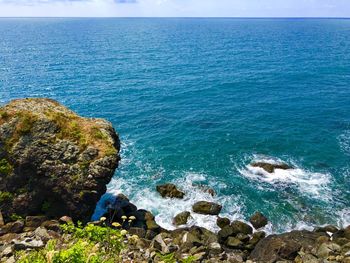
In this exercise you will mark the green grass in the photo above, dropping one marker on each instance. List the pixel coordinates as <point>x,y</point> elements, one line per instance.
<point>93,244</point>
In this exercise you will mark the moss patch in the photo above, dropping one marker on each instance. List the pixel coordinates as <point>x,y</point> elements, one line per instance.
<point>5,167</point>
<point>71,127</point>
<point>82,131</point>
<point>25,121</point>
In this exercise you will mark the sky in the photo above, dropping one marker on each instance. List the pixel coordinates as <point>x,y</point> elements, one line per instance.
<point>175,8</point>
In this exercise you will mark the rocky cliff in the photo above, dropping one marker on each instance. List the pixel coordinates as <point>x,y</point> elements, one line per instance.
<point>53,161</point>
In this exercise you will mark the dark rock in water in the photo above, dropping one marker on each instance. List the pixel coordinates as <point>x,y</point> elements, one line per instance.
<point>205,189</point>
<point>329,228</point>
<point>170,190</point>
<point>222,222</point>
<point>181,219</point>
<point>271,167</point>
<point>258,220</point>
<point>53,162</point>
<point>206,208</point>
<point>285,246</point>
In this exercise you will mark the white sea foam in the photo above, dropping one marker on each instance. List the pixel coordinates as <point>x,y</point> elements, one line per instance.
<point>311,183</point>
<point>140,187</point>
<point>344,217</point>
<point>166,209</point>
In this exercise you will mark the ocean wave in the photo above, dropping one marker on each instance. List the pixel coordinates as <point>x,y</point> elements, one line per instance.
<point>307,182</point>
<point>166,209</point>
<point>138,179</point>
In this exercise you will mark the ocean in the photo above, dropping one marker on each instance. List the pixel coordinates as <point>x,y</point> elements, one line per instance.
<point>195,101</point>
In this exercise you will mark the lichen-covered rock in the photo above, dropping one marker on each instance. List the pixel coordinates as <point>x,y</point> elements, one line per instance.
<point>181,218</point>
<point>170,190</point>
<point>222,222</point>
<point>285,246</point>
<point>53,161</point>
<point>258,220</point>
<point>206,208</point>
<point>241,227</point>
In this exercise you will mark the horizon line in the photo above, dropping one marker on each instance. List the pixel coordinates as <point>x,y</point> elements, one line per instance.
<point>205,17</point>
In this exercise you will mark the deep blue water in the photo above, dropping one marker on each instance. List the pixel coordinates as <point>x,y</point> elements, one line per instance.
<point>196,100</point>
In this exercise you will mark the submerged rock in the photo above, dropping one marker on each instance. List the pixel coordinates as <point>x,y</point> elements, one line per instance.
<point>205,188</point>
<point>53,161</point>
<point>170,190</point>
<point>206,208</point>
<point>271,167</point>
<point>258,220</point>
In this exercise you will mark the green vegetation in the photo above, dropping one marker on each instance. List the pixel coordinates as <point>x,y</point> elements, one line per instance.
<point>82,131</point>
<point>5,167</point>
<point>15,217</point>
<point>89,244</point>
<point>98,134</point>
<point>3,115</point>
<point>5,197</point>
<point>26,122</point>
<point>170,258</point>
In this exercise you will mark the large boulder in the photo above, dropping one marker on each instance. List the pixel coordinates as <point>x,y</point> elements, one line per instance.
<point>258,220</point>
<point>284,246</point>
<point>181,218</point>
<point>271,167</point>
<point>53,161</point>
<point>170,190</point>
<point>206,208</point>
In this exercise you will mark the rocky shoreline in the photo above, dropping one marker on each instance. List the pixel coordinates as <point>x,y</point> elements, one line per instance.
<point>54,167</point>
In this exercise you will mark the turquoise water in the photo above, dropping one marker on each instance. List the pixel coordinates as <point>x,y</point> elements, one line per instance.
<point>196,100</point>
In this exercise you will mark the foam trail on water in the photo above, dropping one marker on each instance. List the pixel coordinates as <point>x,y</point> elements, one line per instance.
<point>307,182</point>
<point>344,217</point>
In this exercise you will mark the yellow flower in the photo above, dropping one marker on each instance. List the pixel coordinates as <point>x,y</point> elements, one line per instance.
<point>123,232</point>
<point>116,224</point>
<point>124,217</point>
<point>103,219</point>
<point>135,237</point>
<point>132,218</point>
